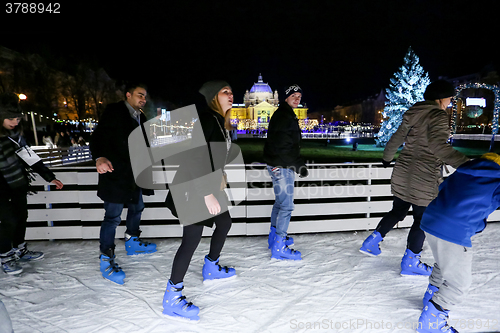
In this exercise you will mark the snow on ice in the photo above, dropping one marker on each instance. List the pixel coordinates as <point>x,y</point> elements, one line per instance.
<point>335,288</point>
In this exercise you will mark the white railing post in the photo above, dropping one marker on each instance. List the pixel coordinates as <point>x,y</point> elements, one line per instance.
<point>48,205</point>
<point>369,183</point>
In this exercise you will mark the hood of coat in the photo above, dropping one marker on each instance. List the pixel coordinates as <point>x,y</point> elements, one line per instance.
<point>481,167</point>
<point>419,111</point>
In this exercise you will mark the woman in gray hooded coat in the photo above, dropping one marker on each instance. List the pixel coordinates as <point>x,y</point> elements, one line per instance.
<point>418,171</point>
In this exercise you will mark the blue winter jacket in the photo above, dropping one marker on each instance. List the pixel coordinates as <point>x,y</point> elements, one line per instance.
<point>465,200</point>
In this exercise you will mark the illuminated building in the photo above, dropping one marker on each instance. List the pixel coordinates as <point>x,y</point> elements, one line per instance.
<point>259,104</point>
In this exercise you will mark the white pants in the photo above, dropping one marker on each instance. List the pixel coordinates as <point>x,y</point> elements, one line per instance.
<point>451,273</point>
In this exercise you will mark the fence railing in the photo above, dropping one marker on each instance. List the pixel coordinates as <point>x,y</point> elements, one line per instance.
<point>63,155</point>
<point>335,197</point>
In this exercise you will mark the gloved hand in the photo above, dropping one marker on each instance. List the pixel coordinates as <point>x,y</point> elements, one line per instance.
<point>303,172</point>
<point>386,164</point>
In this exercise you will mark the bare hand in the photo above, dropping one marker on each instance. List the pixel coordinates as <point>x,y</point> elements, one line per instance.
<point>212,204</point>
<point>59,185</point>
<point>103,165</point>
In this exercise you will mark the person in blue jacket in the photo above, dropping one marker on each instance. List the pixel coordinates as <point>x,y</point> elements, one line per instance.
<point>465,200</point>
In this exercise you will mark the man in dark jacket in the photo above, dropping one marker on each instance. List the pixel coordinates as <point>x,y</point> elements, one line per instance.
<point>282,155</point>
<point>117,187</point>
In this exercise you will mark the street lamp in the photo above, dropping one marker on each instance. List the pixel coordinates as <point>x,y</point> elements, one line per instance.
<point>23,97</point>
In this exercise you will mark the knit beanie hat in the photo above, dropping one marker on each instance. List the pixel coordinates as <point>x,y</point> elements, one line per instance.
<point>492,157</point>
<point>438,90</point>
<point>9,106</point>
<point>294,88</point>
<point>210,89</point>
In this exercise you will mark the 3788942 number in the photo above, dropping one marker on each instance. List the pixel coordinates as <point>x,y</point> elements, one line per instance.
<point>32,8</point>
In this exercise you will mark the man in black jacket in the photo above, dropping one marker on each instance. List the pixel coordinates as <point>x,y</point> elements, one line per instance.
<point>117,187</point>
<point>282,155</point>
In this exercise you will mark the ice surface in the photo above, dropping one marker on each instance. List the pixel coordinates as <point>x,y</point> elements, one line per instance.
<point>335,288</point>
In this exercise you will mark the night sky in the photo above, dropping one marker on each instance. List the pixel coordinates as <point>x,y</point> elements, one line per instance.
<point>337,51</point>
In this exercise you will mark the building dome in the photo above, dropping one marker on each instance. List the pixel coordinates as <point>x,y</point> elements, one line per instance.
<point>261,87</point>
<point>260,92</point>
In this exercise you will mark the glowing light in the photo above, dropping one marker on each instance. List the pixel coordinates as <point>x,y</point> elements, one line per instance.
<point>475,101</point>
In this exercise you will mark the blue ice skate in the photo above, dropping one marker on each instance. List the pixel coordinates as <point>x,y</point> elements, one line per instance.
<point>270,239</point>
<point>433,320</point>
<point>110,269</point>
<point>175,305</point>
<point>135,245</point>
<point>24,254</point>
<point>212,270</point>
<point>281,251</point>
<point>371,244</point>
<point>429,293</point>
<point>8,261</point>
<point>411,265</point>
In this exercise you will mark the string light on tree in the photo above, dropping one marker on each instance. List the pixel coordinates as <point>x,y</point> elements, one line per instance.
<point>406,88</point>
<point>308,124</point>
<point>496,110</point>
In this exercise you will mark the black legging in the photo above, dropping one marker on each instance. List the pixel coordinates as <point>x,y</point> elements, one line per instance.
<point>399,210</point>
<point>13,216</point>
<point>191,237</point>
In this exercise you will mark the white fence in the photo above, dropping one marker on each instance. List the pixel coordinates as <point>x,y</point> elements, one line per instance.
<point>61,156</point>
<point>479,137</point>
<point>334,197</point>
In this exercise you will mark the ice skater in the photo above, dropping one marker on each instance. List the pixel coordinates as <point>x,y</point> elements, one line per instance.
<point>417,172</point>
<point>17,163</point>
<point>116,186</point>
<point>465,201</point>
<point>282,155</point>
<point>206,198</point>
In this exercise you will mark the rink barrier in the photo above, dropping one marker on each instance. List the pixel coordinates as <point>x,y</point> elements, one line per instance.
<point>59,156</point>
<point>335,197</point>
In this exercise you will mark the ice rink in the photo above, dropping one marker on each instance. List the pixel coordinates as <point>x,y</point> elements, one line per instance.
<point>335,288</point>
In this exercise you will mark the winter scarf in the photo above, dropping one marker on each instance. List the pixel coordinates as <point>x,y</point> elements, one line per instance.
<point>11,168</point>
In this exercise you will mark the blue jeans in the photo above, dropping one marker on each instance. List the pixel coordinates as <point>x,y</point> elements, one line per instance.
<point>112,218</point>
<point>283,185</point>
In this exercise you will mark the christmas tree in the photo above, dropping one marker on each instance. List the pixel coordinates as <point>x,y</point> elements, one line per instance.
<point>407,87</point>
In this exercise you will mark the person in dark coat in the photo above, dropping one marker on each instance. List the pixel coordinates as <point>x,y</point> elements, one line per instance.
<point>282,155</point>
<point>206,203</point>
<point>459,212</point>
<point>418,171</point>
<point>17,163</point>
<point>117,187</point>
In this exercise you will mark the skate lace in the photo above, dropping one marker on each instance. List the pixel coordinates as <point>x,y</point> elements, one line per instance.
<point>29,253</point>
<point>21,252</point>
<point>182,298</point>
<point>225,268</point>
<point>9,261</point>
<point>423,265</point>
<point>446,327</point>
<point>114,266</point>
<point>142,241</point>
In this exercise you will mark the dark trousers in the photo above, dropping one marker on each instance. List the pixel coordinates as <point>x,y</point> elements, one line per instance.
<point>13,216</point>
<point>399,211</point>
<point>191,237</point>
<point>113,218</point>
